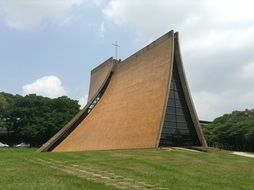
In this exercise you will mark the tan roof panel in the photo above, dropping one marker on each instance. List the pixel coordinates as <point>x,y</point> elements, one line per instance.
<point>129,113</point>
<point>127,102</point>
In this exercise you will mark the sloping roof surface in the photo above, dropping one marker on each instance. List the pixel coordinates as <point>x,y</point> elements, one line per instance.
<point>130,113</point>
<point>127,102</point>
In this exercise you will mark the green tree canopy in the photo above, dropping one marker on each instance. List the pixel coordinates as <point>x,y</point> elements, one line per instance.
<point>233,131</point>
<point>36,118</point>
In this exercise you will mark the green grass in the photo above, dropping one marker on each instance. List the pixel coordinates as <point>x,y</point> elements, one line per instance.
<point>176,169</point>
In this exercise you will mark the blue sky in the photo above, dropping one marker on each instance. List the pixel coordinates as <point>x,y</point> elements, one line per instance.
<point>49,47</point>
<point>68,51</point>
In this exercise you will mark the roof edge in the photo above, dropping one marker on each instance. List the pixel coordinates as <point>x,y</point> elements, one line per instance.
<point>172,52</point>
<point>50,144</point>
<point>186,90</point>
<point>101,65</point>
<point>151,45</point>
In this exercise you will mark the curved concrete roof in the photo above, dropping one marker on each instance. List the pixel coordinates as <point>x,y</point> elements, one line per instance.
<point>127,102</point>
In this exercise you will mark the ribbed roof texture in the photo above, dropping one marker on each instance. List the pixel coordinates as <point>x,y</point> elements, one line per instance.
<point>130,113</point>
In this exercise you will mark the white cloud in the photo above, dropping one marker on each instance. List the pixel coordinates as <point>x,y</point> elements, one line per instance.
<point>217,39</point>
<point>83,100</point>
<point>248,71</point>
<point>49,86</point>
<point>211,104</point>
<point>98,2</point>
<point>34,14</point>
<point>160,16</point>
<point>147,15</point>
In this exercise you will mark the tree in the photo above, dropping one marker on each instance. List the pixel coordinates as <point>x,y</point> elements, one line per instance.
<point>233,131</point>
<point>35,118</point>
<point>3,108</point>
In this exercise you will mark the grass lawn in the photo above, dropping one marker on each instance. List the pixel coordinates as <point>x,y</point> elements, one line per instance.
<point>27,169</point>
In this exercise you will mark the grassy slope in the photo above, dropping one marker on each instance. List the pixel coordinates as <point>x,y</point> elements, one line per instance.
<point>175,169</point>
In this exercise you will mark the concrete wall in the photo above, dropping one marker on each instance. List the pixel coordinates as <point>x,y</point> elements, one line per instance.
<point>98,76</point>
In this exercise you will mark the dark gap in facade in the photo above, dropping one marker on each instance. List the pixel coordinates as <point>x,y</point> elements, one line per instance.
<point>178,128</point>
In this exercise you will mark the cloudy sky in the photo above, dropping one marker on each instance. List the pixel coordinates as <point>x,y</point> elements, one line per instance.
<point>48,47</point>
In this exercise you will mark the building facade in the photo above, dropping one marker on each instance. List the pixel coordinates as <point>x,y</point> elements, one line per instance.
<point>141,102</point>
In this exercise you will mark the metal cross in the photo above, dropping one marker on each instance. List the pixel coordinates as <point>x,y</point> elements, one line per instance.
<point>116,46</point>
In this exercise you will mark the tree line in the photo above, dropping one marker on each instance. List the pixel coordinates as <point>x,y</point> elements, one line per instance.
<point>233,131</point>
<point>33,119</point>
